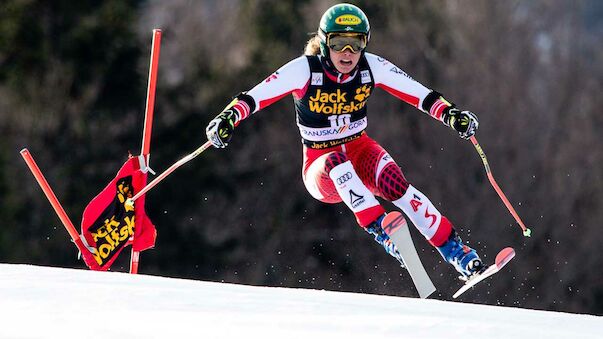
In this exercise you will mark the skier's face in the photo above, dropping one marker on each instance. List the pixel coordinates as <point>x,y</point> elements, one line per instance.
<point>345,61</point>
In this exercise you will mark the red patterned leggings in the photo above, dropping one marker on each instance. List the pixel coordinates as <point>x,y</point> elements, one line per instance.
<point>375,167</point>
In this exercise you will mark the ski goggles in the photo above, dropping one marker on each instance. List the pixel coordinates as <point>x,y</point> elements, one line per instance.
<point>339,42</point>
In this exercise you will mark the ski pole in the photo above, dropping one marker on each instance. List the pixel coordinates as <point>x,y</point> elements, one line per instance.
<point>526,231</point>
<point>168,171</point>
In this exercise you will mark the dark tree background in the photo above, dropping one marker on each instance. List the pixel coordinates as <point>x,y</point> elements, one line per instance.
<point>72,89</point>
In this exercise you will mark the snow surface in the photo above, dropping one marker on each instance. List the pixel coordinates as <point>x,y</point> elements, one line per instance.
<point>44,302</point>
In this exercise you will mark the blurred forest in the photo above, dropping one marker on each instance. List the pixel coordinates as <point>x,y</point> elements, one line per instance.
<point>73,78</point>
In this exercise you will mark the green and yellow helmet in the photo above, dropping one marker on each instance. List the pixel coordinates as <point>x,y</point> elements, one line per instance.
<point>342,18</point>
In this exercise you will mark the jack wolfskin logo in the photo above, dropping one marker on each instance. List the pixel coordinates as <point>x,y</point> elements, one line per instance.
<point>339,101</point>
<point>362,93</point>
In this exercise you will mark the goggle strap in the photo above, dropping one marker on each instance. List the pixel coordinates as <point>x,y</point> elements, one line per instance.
<point>324,37</point>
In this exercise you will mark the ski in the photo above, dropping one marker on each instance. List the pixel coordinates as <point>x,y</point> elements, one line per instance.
<point>502,258</point>
<point>396,228</point>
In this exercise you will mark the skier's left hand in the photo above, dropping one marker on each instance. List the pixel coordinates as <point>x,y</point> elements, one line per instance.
<point>464,122</point>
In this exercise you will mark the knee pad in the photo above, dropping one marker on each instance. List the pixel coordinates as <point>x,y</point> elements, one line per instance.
<point>392,184</point>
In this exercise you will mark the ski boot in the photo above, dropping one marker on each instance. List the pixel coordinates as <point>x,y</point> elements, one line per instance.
<point>382,238</point>
<point>462,257</point>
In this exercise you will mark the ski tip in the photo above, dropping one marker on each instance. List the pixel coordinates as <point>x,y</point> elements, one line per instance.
<point>392,215</point>
<point>504,256</point>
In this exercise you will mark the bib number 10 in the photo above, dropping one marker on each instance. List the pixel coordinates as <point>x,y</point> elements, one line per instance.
<point>340,120</point>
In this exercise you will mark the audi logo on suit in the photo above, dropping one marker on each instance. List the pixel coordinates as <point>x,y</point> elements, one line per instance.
<point>342,179</point>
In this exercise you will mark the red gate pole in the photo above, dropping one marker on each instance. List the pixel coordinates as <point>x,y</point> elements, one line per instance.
<point>148,122</point>
<point>58,208</point>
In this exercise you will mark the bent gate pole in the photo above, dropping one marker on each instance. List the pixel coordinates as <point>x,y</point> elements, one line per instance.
<point>58,208</point>
<point>148,122</point>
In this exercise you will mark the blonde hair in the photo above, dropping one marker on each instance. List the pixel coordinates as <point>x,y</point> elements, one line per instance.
<point>312,46</point>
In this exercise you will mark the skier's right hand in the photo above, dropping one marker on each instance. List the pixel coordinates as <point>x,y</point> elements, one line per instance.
<point>219,131</point>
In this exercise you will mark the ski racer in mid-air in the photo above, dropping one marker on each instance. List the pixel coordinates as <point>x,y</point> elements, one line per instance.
<point>330,85</point>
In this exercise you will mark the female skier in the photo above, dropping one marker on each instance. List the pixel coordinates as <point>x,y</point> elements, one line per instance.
<point>330,85</point>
